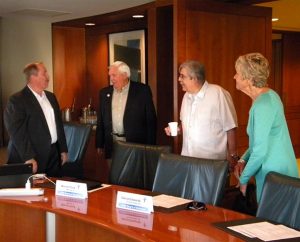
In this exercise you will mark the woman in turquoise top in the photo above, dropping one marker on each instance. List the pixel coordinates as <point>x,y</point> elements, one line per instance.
<point>270,146</point>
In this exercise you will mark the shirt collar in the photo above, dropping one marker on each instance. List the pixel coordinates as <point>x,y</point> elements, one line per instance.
<point>123,89</point>
<point>36,94</point>
<point>201,93</point>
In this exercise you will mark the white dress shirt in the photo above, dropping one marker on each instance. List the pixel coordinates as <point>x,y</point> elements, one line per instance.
<point>119,100</point>
<point>49,114</point>
<point>205,118</point>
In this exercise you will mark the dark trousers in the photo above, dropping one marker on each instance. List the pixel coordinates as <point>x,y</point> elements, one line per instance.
<point>53,167</point>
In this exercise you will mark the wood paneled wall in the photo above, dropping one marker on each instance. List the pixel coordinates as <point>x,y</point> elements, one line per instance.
<point>164,78</point>
<point>96,65</point>
<point>291,85</point>
<point>216,34</point>
<point>69,66</point>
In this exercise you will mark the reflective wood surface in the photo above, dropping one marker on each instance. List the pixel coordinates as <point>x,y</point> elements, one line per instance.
<point>98,219</point>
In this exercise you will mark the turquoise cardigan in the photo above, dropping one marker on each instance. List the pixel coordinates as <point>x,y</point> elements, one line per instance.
<point>270,146</point>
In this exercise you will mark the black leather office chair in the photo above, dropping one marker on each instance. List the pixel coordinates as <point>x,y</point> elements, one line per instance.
<point>77,136</point>
<point>134,165</point>
<point>192,178</point>
<point>280,200</point>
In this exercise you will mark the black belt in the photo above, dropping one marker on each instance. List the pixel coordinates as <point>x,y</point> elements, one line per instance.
<point>118,135</point>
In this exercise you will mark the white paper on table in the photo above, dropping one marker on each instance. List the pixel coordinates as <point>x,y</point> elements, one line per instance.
<point>167,201</point>
<point>266,231</point>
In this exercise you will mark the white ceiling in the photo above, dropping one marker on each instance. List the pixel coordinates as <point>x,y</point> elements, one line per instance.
<point>59,10</point>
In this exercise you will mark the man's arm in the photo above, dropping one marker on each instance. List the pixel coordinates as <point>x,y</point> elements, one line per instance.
<point>232,156</point>
<point>16,125</point>
<point>99,141</point>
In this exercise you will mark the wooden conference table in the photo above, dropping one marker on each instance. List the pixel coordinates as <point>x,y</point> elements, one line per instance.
<point>57,219</point>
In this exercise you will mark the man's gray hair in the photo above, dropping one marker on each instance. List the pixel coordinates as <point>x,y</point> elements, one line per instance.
<point>195,70</point>
<point>31,69</point>
<point>122,67</point>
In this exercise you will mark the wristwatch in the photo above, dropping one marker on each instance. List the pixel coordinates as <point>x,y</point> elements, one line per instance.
<point>235,157</point>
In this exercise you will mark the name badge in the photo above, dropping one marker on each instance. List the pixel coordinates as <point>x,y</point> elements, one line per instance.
<point>71,189</point>
<point>134,202</point>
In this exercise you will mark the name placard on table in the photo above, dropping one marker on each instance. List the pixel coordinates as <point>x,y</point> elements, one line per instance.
<point>72,204</point>
<point>135,219</point>
<point>134,202</point>
<point>71,189</point>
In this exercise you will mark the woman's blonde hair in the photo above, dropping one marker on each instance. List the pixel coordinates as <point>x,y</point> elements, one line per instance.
<point>254,67</point>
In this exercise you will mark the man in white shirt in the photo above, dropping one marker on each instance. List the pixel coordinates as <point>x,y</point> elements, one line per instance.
<point>33,120</point>
<point>208,117</point>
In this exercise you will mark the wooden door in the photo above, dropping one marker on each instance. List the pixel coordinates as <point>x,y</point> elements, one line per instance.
<point>291,85</point>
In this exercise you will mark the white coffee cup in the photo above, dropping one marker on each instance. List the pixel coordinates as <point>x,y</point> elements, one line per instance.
<point>173,128</point>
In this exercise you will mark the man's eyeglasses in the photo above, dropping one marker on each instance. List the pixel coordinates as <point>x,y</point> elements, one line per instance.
<point>181,76</point>
<point>196,206</point>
